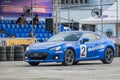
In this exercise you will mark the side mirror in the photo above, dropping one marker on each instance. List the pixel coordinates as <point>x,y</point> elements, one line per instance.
<point>84,40</point>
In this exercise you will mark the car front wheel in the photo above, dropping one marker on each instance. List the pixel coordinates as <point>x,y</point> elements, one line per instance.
<point>108,56</point>
<point>69,57</point>
<point>34,63</point>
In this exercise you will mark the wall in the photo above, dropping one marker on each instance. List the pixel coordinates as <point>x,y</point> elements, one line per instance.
<point>106,28</point>
<point>82,11</point>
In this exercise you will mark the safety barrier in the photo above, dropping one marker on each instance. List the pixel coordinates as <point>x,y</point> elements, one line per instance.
<point>11,53</point>
<point>19,53</point>
<point>2,53</point>
<point>12,49</point>
<point>16,41</point>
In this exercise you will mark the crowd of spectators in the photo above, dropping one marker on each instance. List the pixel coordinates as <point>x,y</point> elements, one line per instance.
<point>24,28</point>
<point>35,21</point>
<point>22,20</point>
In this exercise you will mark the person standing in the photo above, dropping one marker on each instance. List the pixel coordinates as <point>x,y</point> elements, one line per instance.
<point>35,20</point>
<point>21,20</point>
<point>31,34</point>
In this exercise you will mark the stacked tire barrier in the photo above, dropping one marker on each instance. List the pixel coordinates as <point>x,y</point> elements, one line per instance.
<point>117,48</point>
<point>19,53</point>
<point>25,46</point>
<point>2,53</point>
<point>11,53</point>
<point>118,51</point>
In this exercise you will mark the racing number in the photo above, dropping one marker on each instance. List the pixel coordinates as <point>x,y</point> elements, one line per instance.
<point>83,51</point>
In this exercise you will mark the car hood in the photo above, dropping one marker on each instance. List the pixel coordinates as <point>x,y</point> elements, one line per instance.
<point>46,45</point>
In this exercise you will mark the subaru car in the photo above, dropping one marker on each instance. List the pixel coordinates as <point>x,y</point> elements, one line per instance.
<point>71,47</point>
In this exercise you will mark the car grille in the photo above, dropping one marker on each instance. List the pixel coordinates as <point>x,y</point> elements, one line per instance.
<point>37,56</point>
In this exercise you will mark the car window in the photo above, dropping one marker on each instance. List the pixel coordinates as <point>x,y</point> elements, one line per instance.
<point>72,37</point>
<point>65,36</point>
<point>97,37</point>
<point>90,36</point>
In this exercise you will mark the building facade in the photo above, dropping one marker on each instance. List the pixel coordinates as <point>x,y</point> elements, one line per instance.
<point>72,11</point>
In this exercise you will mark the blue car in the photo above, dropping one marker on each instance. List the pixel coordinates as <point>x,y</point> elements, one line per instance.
<point>71,47</point>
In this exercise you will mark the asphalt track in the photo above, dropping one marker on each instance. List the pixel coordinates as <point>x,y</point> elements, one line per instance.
<point>85,70</point>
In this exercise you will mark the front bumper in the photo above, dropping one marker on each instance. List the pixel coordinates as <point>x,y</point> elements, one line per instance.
<point>44,56</point>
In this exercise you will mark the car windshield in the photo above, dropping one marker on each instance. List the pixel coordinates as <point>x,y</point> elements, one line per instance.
<point>65,36</point>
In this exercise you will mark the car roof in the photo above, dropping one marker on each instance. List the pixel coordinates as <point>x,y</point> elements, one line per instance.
<point>83,32</point>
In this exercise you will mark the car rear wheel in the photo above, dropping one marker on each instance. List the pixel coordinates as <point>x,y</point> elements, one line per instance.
<point>108,56</point>
<point>69,57</point>
<point>34,63</point>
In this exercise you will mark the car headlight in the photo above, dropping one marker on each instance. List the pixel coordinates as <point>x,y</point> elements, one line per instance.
<point>56,48</point>
<point>27,48</point>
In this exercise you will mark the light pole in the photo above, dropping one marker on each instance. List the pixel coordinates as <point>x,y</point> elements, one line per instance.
<point>69,13</point>
<point>117,15</point>
<point>101,14</point>
<point>32,11</point>
<point>117,10</point>
<point>56,15</point>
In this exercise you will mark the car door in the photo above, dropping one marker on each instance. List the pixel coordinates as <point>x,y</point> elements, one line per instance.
<point>88,48</point>
<point>99,45</point>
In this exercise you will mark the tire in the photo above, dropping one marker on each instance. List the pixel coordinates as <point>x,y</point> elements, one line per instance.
<point>25,46</point>
<point>108,56</point>
<point>9,57</point>
<point>19,59</point>
<point>10,53</point>
<point>2,53</point>
<point>2,48</point>
<point>9,48</point>
<point>34,63</point>
<point>19,48</point>
<point>69,57</point>
<point>19,53</point>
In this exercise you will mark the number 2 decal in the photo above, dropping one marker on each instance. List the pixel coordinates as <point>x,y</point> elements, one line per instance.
<point>82,51</point>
